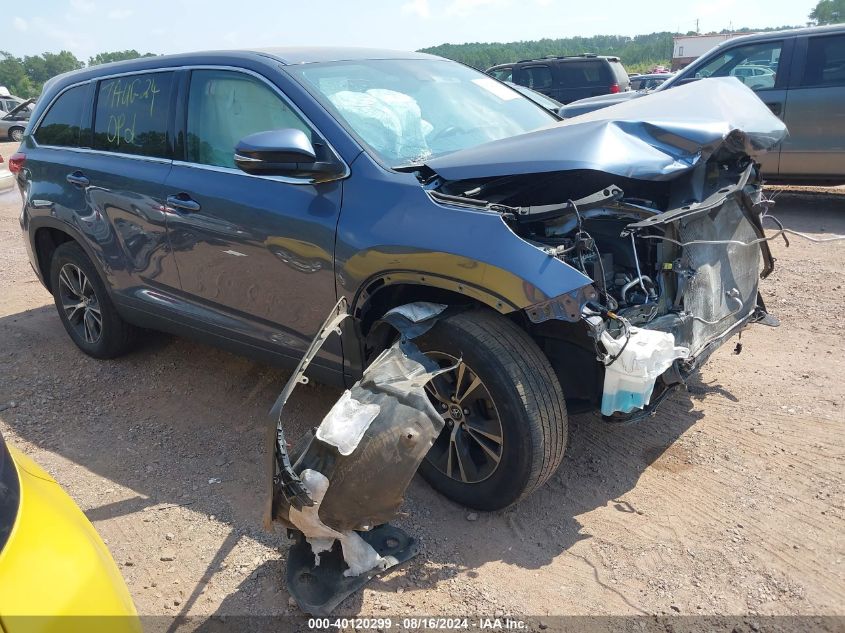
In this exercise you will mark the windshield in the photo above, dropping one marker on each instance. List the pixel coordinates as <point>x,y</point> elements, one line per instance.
<point>407,111</point>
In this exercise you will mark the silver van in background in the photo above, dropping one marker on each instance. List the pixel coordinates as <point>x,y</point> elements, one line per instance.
<point>799,74</point>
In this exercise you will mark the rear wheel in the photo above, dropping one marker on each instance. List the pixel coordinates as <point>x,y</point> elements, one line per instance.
<point>16,134</point>
<point>84,306</point>
<point>505,417</point>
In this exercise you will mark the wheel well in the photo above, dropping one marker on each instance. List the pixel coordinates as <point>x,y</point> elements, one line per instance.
<point>567,345</point>
<point>47,240</point>
<point>384,298</point>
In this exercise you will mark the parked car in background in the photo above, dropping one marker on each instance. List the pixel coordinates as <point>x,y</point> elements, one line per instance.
<point>8,101</point>
<point>649,81</point>
<point>56,574</point>
<point>566,78</point>
<point>755,77</point>
<point>799,74</point>
<point>13,123</point>
<point>552,105</point>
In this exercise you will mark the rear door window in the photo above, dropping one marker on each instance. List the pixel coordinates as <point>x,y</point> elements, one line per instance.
<point>133,114</point>
<point>825,64</point>
<point>536,77</point>
<point>583,74</point>
<point>225,106</point>
<point>503,74</point>
<point>61,125</point>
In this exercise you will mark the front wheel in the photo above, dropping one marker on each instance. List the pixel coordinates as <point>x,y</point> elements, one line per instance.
<point>505,416</point>
<point>16,134</point>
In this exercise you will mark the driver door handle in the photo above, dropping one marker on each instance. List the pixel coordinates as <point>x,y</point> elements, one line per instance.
<point>183,202</point>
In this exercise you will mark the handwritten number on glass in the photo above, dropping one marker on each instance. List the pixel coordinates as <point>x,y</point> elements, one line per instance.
<point>120,96</point>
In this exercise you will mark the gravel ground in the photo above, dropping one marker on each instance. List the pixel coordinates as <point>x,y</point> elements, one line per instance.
<point>728,501</point>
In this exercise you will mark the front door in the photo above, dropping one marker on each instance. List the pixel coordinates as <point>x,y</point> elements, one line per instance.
<point>255,253</point>
<point>763,67</point>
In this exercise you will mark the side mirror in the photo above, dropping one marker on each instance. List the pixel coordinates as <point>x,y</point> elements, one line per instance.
<point>286,152</point>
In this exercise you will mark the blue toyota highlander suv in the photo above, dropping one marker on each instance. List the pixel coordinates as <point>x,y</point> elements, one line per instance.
<point>235,196</point>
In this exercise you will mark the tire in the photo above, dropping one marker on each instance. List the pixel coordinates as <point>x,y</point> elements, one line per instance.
<point>526,396</point>
<point>84,305</point>
<point>16,134</point>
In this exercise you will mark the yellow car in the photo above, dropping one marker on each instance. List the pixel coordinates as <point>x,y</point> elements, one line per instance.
<point>56,574</point>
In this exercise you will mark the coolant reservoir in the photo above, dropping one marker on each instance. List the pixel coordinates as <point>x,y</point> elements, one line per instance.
<point>629,380</point>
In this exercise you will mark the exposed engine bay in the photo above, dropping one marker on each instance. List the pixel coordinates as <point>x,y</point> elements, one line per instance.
<point>671,242</point>
<point>673,256</point>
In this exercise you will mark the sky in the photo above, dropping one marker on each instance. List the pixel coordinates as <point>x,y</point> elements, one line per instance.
<point>87,27</point>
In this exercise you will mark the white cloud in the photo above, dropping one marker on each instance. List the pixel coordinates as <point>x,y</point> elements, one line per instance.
<point>120,14</point>
<point>83,6</point>
<point>19,24</point>
<point>420,8</point>
<point>463,8</point>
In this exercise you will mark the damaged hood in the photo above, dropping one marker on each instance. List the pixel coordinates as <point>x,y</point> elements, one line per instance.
<point>656,137</point>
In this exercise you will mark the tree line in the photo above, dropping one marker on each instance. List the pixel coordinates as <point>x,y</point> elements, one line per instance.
<point>638,54</point>
<point>25,76</point>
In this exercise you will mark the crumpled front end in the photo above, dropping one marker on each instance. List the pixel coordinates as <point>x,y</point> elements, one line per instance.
<point>659,202</point>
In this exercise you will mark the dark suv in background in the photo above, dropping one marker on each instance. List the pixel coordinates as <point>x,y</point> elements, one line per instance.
<point>566,78</point>
<point>799,74</point>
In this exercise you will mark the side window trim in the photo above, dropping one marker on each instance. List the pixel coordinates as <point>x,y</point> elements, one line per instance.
<point>179,120</point>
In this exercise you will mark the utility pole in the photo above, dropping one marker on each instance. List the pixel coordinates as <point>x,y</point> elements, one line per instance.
<point>696,27</point>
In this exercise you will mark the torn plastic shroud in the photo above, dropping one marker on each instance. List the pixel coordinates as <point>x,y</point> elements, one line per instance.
<point>656,137</point>
<point>337,490</point>
<point>393,386</point>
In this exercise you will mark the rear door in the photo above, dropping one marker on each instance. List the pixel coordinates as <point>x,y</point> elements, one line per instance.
<point>255,253</point>
<point>815,110</point>
<point>123,176</point>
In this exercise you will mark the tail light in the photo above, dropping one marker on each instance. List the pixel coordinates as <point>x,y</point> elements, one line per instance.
<point>614,88</point>
<point>16,162</point>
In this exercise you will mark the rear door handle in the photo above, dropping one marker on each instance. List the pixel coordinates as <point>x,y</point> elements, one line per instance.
<point>183,202</point>
<point>78,179</point>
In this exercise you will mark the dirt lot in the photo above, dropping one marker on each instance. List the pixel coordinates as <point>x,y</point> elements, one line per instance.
<point>729,501</point>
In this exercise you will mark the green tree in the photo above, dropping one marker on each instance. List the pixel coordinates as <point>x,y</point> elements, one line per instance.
<point>828,12</point>
<point>40,68</point>
<point>116,56</point>
<point>654,48</point>
<point>13,76</point>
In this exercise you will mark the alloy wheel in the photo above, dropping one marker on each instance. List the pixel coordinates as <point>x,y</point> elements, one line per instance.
<point>17,135</point>
<point>470,446</point>
<point>80,304</point>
